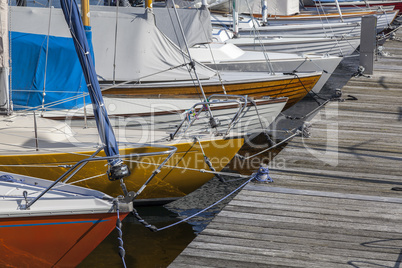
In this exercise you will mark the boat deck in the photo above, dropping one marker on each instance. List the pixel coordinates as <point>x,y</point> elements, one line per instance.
<point>337,199</point>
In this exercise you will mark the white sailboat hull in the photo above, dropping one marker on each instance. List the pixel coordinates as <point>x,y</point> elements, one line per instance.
<point>303,30</point>
<point>342,46</point>
<point>148,115</point>
<point>229,57</point>
<point>290,24</point>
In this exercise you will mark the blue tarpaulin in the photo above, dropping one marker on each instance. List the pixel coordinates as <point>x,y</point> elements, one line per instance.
<point>64,76</point>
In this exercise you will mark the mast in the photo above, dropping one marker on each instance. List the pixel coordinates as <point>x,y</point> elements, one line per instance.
<point>117,170</point>
<point>148,4</point>
<point>85,13</point>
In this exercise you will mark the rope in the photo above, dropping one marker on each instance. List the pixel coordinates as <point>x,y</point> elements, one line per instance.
<point>390,34</point>
<point>242,157</point>
<point>201,211</point>
<point>143,222</point>
<point>192,169</point>
<point>308,114</point>
<point>360,72</point>
<point>300,131</point>
<point>308,92</point>
<point>122,251</point>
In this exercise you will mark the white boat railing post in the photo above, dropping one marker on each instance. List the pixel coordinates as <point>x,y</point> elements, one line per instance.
<point>36,132</point>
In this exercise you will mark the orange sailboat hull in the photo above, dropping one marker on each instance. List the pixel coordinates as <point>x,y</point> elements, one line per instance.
<point>52,241</point>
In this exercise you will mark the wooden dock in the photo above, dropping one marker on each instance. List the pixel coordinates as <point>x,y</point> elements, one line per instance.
<point>337,199</point>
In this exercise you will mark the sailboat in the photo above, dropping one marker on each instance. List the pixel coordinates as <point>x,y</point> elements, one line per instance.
<point>335,33</point>
<point>128,72</point>
<point>60,228</point>
<point>48,154</point>
<point>204,46</point>
<point>278,15</point>
<point>227,56</point>
<point>396,4</point>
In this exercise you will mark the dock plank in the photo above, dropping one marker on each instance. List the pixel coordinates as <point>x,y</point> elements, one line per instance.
<point>332,202</point>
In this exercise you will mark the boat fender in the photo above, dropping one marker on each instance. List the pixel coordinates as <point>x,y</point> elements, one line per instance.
<point>262,175</point>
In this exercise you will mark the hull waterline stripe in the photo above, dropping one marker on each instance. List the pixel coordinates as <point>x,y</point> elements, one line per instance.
<point>51,223</point>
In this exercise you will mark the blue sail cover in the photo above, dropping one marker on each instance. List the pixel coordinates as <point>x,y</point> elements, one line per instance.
<point>64,76</point>
<point>74,22</point>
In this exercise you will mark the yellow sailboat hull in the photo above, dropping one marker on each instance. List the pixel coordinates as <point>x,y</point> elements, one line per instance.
<point>179,177</point>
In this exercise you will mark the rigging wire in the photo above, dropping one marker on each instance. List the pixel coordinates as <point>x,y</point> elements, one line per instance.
<point>258,35</point>
<point>192,62</point>
<point>46,55</point>
<point>318,6</point>
<point>184,56</point>
<point>115,42</point>
<point>204,31</point>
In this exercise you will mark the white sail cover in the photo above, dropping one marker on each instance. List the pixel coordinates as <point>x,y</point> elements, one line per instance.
<point>196,22</point>
<point>139,51</point>
<point>275,7</point>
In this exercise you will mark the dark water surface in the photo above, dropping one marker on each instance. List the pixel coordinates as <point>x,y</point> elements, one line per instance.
<point>148,249</point>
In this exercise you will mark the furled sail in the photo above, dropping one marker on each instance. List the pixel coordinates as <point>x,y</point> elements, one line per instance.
<point>74,22</point>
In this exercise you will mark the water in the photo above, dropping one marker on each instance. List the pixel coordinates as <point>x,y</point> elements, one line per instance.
<point>147,249</point>
<point>143,247</point>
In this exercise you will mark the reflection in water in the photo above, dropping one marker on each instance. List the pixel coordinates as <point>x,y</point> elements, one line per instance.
<point>143,247</point>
